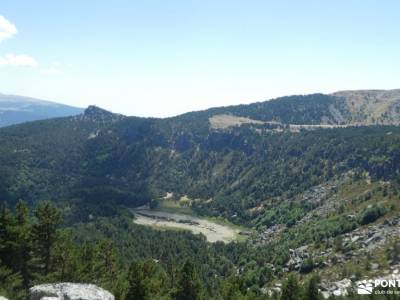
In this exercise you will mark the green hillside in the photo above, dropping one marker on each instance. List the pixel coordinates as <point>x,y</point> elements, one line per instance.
<point>309,197</point>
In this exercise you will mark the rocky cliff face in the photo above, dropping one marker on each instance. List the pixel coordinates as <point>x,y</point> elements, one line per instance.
<point>68,291</point>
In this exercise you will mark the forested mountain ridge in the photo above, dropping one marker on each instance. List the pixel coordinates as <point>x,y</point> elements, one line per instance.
<point>310,196</point>
<point>363,107</point>
<point>18,109</point>
<point>130,159</point>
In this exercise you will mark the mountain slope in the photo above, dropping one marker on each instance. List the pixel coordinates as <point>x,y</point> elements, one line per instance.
<point>128,160</point>
<point>372,106</point>
<point>317,200</point>
<point>366,107</point>
<point>17,109</point>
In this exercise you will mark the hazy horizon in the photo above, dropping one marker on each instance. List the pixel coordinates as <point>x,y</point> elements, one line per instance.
<point>159,59</point>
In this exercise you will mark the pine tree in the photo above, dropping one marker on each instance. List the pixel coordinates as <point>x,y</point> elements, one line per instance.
<point>232,288</point>
<point>136,285</point>
<point>311,292</point>
<point>146,280</point>
<point>65,256</point>
<point>105,264</point>
<point>189,287</point>
<point>291,290</point>
<point>11,284</point>
<point>23,242</point>
<point>48,218</point>
<point>7,221</point>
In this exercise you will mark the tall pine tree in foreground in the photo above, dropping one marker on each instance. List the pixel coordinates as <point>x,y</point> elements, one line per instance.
<point>45,234</point>
<point>14,252</point>
<point>23,242</point>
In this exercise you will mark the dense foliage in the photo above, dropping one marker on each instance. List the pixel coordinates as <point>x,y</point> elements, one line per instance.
<point>94,166</point>
<point>34,249</point>
<point>129,161</point>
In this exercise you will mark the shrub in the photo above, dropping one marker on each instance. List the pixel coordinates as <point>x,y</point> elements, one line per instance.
<point>371,214</point>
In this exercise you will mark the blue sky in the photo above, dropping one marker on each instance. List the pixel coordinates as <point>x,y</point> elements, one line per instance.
<point>162,58</point>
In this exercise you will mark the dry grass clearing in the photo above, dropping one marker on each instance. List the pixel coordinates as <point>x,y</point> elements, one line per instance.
<point>226,121</point>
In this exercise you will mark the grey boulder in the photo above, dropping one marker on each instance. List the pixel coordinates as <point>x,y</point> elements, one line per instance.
<point>68,291</point>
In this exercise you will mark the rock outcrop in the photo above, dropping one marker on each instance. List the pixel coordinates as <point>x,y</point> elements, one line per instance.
<point>3,298</point>
<point>99,115</point>
<point>68,291</point>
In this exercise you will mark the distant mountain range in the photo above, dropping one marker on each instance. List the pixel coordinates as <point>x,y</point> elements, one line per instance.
<point>18,109</point>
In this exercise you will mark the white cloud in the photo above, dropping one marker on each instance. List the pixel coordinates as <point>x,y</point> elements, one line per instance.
<point>18,60</point>
<point>7,29</point>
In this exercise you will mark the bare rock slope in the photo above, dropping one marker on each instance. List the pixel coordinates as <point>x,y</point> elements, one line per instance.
<point>372,106</point>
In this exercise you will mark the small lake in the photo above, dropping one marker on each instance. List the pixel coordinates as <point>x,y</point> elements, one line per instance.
<point>213,231</point>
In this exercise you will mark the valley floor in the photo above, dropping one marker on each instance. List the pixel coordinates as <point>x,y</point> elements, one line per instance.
<point>165,220</point>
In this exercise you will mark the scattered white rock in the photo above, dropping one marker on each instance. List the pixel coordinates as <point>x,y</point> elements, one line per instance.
<point>374,266</point>
<point>94,135</point>
<point>68,291</point>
